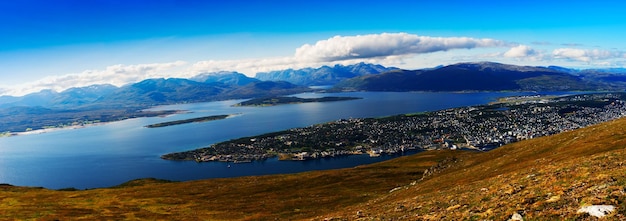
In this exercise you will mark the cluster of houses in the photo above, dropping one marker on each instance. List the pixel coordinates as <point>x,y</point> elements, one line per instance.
<point>479,127</point>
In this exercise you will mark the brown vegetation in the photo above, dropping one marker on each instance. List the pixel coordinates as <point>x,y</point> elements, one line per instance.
<point>547,178</point>
<point>289,196</point>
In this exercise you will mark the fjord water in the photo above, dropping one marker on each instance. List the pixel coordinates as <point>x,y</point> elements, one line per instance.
<point>113,153</point>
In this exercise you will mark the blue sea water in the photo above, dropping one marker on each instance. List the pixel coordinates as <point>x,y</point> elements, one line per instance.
<point>113,153</point>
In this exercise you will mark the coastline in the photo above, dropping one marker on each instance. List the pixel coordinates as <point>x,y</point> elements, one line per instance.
<point>347,136</point>
<point>53,129</point>
<point>82,125</point>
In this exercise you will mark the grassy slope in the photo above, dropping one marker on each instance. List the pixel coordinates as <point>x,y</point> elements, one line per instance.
<point>545,178</point>
<point>292,196</point>
<point>548,178</point>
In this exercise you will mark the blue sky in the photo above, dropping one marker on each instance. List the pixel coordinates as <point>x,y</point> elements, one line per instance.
<point>59,44</point>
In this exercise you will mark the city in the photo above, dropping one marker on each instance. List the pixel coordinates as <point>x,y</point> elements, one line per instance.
<point>475,128</point>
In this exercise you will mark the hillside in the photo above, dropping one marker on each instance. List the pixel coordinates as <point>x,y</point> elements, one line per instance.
<point>548,178</point>
<point>482,76</point>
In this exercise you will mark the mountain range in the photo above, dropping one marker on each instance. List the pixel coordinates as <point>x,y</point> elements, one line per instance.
<point>486,76</point>
<point>204,87</point>
<point>103,103</point>
<point>480,76</point>
<point>108,102</point>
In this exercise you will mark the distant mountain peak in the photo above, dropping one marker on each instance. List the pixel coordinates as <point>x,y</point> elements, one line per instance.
<point>46,91</point>
<point>324,75</point>
<point>225,77</point>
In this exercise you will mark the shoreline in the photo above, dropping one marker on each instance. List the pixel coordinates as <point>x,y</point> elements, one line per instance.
<point>81,125</point>
<point>53,129</point>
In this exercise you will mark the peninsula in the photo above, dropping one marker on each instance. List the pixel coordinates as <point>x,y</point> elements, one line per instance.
<point>491,126</point>
<point>272,101</point>
<point>191,120</point>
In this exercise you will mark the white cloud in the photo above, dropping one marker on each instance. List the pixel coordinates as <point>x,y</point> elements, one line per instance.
<point>387,44</point>
<point>584,55</point>
<point>520,51</point>
<point>116,74</point>
<point>385,49</point>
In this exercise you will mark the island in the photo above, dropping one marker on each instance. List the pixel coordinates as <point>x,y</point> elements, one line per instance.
<point>479,128</point>
<point>272,101</point>
<point>191,120</point>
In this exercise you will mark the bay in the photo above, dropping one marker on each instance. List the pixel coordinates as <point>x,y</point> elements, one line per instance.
<point>113,153</point>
